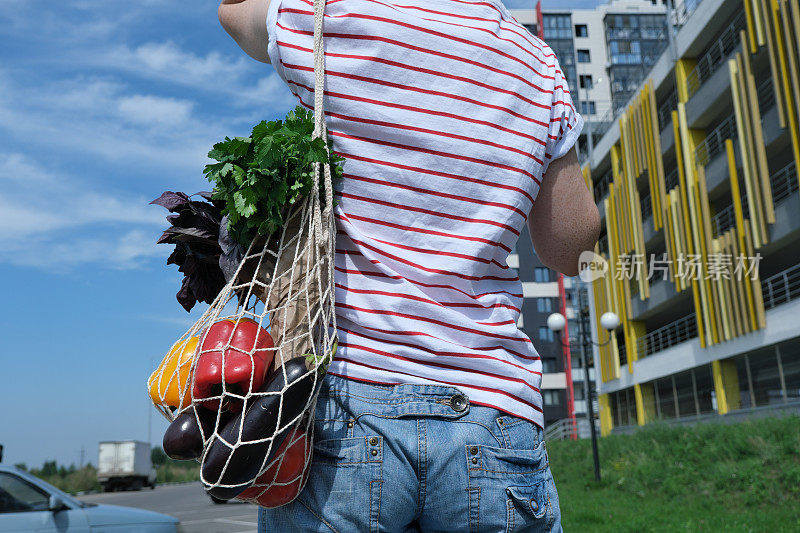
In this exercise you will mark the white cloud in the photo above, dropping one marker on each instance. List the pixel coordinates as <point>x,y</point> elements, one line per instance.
<point>150,110</point>
<point>168,61</point>
<point>53,221</point>
<point>214,73</point>
<point>101,118</point>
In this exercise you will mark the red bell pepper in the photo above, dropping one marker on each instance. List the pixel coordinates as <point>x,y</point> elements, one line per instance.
<point>284,478</point>
<point>247,351</point>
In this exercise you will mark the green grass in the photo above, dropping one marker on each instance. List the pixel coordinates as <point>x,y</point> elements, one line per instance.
<point>706,477</point>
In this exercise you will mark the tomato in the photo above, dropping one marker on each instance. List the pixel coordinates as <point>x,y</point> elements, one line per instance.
<point>283,479</point>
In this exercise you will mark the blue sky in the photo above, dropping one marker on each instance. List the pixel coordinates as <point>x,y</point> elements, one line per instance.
<point>104,104</point>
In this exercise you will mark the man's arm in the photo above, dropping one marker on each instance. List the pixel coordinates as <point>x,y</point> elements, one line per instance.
<point>565,221</point>
<point>246,22</point>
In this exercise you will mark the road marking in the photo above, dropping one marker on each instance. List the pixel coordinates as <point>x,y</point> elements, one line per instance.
<point>236,522</point>
<point>223,520</point>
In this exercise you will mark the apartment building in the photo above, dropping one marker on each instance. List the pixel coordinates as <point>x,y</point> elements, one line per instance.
<point>603,52</point>
<point>542,295</point>
<point>696,180</point>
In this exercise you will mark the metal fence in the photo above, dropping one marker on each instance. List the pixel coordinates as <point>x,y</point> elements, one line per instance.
<point>715,56</point>
<point>714,143</point>
<point>666,108</point>
<point>602,244</point>
<point>671,179</point>
<point>766,96</point>
<point>602,124</point>
<point>784,184</point>
<point>781,288</point>
<point>601,187</point>
<point>662,338</point>
<point>647,207</point>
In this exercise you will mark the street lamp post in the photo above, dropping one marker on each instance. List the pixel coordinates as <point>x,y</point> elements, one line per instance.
<point>609,321</point>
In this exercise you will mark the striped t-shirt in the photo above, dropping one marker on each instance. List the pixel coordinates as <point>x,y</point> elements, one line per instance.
<point>447,113</point>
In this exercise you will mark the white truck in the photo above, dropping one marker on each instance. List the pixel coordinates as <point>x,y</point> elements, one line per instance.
<point>125,465</point>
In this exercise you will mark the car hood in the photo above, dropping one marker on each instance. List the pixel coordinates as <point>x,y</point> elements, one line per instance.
<point>107,515</point>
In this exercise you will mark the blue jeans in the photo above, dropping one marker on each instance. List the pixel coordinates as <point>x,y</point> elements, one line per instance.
<point>419,458</point>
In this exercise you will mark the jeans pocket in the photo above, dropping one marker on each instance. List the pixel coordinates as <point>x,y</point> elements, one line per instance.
<point>526,506</point>
<point>509,490</point>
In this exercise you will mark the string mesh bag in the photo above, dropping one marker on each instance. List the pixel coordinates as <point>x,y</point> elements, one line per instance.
<point>241,385</point>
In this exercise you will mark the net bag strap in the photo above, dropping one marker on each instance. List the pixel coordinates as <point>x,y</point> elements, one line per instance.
<point>319,122</point>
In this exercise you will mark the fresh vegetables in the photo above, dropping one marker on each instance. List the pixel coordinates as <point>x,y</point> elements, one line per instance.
<point>194,231</point>
<point>283,480</point>
<point>170,381</point>
<point>244,349</point>
<point>259,177</point>
<point>184,437</point>
<point>258,422</point>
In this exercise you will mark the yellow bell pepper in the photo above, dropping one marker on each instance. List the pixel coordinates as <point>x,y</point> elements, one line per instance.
<point>170,384</point>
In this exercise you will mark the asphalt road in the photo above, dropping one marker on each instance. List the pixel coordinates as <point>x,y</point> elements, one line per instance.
<point>189,504</point>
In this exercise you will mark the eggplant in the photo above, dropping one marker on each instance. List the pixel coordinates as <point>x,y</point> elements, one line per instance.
<point>258,420</point>
<point>183,439</point>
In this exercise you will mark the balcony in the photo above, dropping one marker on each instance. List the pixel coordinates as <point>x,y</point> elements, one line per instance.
<point>666,108</point>
<point>671,334</point>
<point>784,185</point>
<point>714,143</point>
<point>601,187</point>
<point>716,55</point>
<point>781,288</point>
<point>671,179</point>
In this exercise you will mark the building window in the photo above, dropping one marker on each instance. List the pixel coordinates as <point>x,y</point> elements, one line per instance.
<point>581,30</point>
<point>578,392</point>
<point>685,388</point>
<point>766,377</point>
<point>665,392</point>
<point>586,81</point>
<point>546,334</point>
<point>544,305</point>
<point>588,107</point>
<point>549,366</point>
<point>790,364</point>
<point>541,275</point>
<point>551,397</point>
<point>584,56</point>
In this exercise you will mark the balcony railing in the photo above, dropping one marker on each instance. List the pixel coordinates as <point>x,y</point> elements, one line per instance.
<point>784,184</point>
<point>602,124</point>
<point>727,218</point>
<point>666,108</point>
<point>601,187</point>
<point>714,142</point>
<point>647,207</point>
<point>715,56</point>
<point>766,96</point>
<point>602,243</point>
<point>671,179</point>
<point>781,288</point>
<point>662,338</point>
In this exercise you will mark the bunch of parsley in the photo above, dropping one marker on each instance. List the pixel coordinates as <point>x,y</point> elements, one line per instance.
<point>262,176</point>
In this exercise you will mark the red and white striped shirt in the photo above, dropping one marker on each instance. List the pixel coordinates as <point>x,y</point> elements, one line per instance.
<point>447,112</point>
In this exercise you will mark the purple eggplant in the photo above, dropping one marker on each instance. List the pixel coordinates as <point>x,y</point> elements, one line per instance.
<point>258,420</point>
<point>183,439</point>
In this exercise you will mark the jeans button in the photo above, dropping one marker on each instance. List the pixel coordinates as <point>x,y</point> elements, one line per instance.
<point>534,506</point>
<point>458,402</point>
